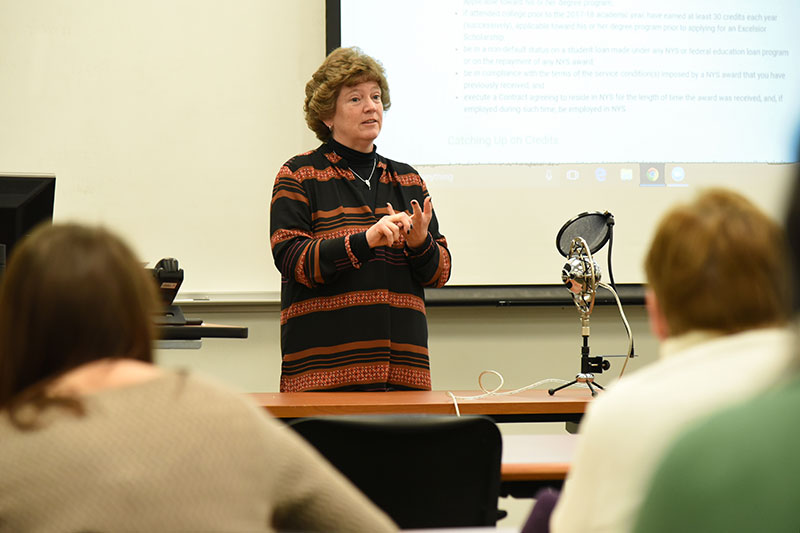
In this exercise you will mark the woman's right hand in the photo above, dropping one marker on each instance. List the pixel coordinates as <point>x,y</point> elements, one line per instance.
<point>389,230</point>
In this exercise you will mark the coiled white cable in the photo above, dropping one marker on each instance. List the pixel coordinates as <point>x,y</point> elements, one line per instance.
<point>494,391</point>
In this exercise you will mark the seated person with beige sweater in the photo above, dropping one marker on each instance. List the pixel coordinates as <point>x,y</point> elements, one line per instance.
<point>94,437</point>
<point>717,299</point>
<point>737,469</point>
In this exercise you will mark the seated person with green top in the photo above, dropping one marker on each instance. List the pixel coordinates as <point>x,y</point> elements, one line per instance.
<point>738,470</point>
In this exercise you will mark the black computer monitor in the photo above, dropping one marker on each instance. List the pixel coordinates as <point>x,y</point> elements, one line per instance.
<point>25,201</point>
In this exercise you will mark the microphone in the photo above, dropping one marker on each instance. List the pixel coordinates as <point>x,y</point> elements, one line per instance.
<point>581,276</point>
<point>577,240</point>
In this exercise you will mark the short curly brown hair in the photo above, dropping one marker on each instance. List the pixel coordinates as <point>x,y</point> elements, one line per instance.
<point>343,67</point>
<point>719,263</point>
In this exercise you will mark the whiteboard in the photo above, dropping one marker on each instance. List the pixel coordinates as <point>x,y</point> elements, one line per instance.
<point>165,121</point>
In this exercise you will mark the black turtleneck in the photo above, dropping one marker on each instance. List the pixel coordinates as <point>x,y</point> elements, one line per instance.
<point>362,163</point>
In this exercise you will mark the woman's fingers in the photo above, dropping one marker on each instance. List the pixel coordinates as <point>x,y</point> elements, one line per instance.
<point>399,226</point>
<point>422,215</point>
<point>420,218</point>
<point>400,218</point>
<point>388,234</point>
<point>428,208</point>
<point>416,211</point>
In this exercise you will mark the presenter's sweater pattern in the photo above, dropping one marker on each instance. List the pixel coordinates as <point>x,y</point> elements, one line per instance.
<point>352,318</point>
<point>175,453</point>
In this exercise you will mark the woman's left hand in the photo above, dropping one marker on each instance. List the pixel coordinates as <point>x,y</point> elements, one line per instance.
<point>420,219</point>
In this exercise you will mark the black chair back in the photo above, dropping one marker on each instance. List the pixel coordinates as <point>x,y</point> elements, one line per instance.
<point>424,471</point>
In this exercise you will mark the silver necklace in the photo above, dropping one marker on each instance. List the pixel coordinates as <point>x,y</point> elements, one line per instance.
<point>369,179</point>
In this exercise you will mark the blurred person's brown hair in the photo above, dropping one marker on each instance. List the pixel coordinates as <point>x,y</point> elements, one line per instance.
<point>71,295</point>
<point>719,263</point>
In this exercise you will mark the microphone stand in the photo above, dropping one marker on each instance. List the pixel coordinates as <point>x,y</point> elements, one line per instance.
<point>581,278</point>
<point>589,365</point>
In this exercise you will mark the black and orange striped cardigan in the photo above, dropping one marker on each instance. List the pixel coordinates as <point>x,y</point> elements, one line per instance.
<point>352,318</point>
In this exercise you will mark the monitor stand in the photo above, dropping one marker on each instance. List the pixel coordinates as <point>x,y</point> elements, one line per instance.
<point>173,316</point>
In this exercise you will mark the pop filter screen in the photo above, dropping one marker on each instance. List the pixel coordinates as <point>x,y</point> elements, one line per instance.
<point>592,227</point>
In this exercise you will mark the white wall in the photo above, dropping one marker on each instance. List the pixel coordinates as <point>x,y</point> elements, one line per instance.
<point>166,120</point>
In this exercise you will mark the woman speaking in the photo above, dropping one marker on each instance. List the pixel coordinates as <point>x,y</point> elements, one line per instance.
<point>355,238</point>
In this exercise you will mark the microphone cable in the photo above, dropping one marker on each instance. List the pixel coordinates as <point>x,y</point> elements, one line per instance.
<point>629,353</point>
<point>494,391</point>
<point>610,224</point>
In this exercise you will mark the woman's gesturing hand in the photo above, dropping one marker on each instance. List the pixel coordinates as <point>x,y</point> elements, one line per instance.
<point>390,229</point>
<point>419,220</point>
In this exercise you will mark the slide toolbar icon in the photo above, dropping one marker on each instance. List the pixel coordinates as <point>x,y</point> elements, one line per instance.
<point>600,174</point>
<point>651,175</point>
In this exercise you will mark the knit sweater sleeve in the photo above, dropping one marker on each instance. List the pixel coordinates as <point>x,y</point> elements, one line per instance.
<point>431,261</point>
<point>298,252</point>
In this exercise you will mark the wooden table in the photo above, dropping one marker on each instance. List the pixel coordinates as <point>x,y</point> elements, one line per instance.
<point>529,406</point>
<point>531,462</point>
